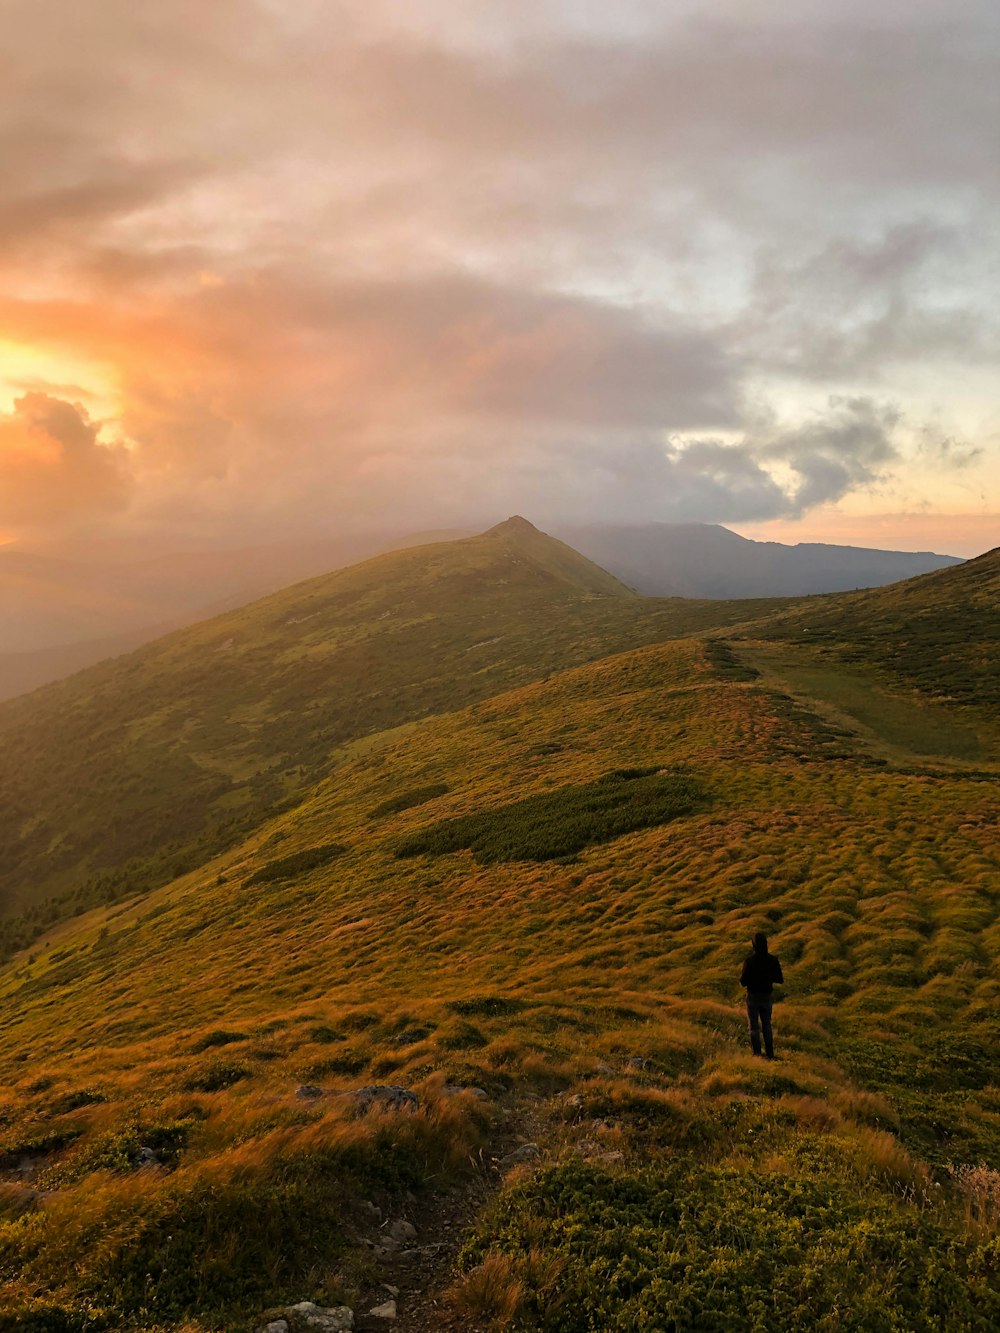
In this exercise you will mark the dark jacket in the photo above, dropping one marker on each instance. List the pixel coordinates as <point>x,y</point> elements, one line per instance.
<point>761,972</point>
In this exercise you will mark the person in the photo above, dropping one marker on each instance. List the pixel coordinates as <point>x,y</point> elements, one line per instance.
<point>761,972</point>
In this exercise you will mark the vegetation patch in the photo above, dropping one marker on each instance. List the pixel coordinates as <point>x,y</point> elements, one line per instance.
<point>288,867</point>
<point>408,799</point>
<point>716,1248</point>
<point>216,1075</point>
<point>563,821</point>
<point>218,1037</point>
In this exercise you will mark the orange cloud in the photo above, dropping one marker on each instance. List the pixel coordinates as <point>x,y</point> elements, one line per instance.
<point>54,470</point>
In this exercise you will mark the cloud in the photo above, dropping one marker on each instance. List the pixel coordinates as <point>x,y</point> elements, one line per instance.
<point>346,262</point>
<point>54,471</point>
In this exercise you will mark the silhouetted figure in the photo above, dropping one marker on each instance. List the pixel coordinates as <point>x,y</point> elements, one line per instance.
<point>761,972</point>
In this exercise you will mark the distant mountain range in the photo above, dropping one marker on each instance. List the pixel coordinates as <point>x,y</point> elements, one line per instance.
<point>705,560</point>
<point>60,612</point>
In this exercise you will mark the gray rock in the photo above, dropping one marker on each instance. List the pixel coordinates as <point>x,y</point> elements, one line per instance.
<point>386,1096</point>
<point>275,1326</point>
<point>309,1092</point>
<point>387,1310</point>
<point>146,1157</point>
<point>393,1291</point>
<point>327,1319</point>
<point>401,1230</point>
<point>638,1062</point>
<point>527,1152</point>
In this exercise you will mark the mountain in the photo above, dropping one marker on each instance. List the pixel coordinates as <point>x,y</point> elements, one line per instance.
<point>460,1028</point>
<point>705,560</point>
<point>64,610</point>
<point>139,768</point>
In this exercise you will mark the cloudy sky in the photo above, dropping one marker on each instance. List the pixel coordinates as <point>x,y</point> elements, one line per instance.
<point>274,267</point>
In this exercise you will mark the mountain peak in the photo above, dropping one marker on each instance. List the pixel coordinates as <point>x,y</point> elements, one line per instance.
<point>513,526</point>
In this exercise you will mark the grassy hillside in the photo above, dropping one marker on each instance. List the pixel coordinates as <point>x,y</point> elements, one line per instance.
<point>140,768</point>
<point>939,634</point>
<point>631,1166</point>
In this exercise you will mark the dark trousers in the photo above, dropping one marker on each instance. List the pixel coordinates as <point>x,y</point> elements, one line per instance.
<point>759,1019</point>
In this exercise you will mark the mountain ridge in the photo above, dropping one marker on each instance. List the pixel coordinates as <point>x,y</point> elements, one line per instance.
<point>173,749</point>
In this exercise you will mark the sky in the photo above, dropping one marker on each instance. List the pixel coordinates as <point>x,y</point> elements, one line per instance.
<point>274,268</point>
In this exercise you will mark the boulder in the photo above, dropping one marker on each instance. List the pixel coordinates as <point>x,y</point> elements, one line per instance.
<point>387,1310</point>
<point>401,1231</point>
<point>325,1319</point>
<point>386,1096</point>
<point>527,1152</point>
<point>309,1092</point>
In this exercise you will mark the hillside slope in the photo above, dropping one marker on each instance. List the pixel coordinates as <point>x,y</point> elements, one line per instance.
<point>140,768</point>
<point>162,1173</point>
<point>939,633</point>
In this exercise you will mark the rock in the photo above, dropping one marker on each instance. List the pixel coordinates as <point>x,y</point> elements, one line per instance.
<point>309,1092</point>
<point>386,1096</point>
<point>387,1310</point>
<point>327,1319</point>
<point>401,1230</point>
<point>146,1157</point>
<point>527,1152</point>
<point>638,1062</point>
<point>453,1090</point>
<point>393,1291</point>
<point>275,1326</point>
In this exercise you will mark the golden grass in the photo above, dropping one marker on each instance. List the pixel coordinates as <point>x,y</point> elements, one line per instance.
<point>613,976</point>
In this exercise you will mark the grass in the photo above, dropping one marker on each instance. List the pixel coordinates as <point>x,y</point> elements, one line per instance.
<point>594,998</point>
<point>900,725</point>
<point>141,769</point>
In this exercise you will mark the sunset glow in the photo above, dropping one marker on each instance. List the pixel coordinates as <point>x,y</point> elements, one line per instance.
<point>343,266</point>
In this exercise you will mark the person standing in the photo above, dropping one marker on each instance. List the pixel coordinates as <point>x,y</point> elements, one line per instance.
<point>761,973</point>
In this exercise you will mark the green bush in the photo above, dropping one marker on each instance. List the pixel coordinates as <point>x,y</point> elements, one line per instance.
<point>288,867</point>
<point>408,799</point>
<point>562,821</point>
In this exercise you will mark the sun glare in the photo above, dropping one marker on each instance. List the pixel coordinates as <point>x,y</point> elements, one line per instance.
<point>26,369</point>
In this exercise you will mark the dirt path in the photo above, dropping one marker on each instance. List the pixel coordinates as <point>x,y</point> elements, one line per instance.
<point>422,1274</point>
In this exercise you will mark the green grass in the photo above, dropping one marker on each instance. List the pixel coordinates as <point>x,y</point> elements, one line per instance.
<point>698,1245</point>
<point>899,724</point>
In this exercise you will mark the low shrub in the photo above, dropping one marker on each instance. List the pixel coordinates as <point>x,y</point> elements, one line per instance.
<point>288,867</point>
<point>562,821</point>
<point>408,799</point>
